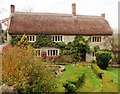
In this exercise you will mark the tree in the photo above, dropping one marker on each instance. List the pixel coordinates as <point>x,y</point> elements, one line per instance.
<point>111,43</point>
<point>26,73</point>
<point>24,42</point>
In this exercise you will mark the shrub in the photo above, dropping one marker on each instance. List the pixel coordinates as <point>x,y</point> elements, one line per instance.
<point>14,39</point>
<point>69,86</point>
<point>24,42</point>
<point>72,84</point>
<point>97,70</point>
<point>103,58</point>
<point>25,72</point>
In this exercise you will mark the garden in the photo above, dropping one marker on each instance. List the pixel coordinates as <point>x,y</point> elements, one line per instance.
<point>26,73</point>
<point>82,78</point>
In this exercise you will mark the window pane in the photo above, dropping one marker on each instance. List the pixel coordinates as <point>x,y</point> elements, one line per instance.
<point>38,52</point>
<point>100,39</point>
<point>97,39</point>
<point>58,38</point>
<point>93,39</point>
<point>48,53</point>
<point>33,38</point>
<point>53,52</point>
<point>56,52</point>
<point>55,38</point>
<point>61,38</point>
<point>30,38</point>
<point>93,54</point>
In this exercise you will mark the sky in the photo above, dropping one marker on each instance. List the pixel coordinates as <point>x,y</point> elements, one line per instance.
<point>83,7</point>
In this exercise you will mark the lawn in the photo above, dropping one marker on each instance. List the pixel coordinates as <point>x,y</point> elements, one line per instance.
<point>113,72</point>
<point>70,73</point>
<point>92,82</point>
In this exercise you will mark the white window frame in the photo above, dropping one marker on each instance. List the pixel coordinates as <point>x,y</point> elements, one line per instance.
<point>58,38</point>
<point>50,52</point>
<point>37,52</point>
<point>33,38</point>
<point>96,39</point>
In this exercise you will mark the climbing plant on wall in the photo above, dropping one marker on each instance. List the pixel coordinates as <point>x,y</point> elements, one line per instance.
<point>78,47</point>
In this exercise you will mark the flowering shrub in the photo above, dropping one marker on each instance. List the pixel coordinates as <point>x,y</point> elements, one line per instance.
<point>25,72</point>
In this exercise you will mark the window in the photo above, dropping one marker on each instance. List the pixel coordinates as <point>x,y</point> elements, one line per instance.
<point>38,52</point>
<point>93,54</point>
<point>31,38</point>
<point>95,39</point>
<point>57,38</point>
<point>52,52</point>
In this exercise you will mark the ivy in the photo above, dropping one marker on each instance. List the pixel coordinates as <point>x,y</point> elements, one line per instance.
<point>14,39</point>
<point>79,47</point>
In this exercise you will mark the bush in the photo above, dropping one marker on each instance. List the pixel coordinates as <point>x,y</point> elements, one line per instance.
<point>97,70</point>
<point>25,72</point>
<point>69,86</point>
<point>103,58</point>
<point>72,84</point>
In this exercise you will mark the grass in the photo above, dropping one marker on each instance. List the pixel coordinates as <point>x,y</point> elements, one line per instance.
<point>70,73</point>
<point>91,84</point>
<point>113,72</point>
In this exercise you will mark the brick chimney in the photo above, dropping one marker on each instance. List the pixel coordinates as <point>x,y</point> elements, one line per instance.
<point>103,15</point>
<point>12,8</point>
<point>74,9</point>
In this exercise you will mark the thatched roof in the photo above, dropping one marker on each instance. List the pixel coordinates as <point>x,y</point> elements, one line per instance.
<point>50,23</point>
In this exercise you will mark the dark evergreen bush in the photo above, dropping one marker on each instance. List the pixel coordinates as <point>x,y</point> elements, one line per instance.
<point>103,58</point>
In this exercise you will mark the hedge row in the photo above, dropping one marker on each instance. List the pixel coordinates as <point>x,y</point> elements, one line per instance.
<point>108,85</point>
<point>72,85</point>
<point>97,70</point>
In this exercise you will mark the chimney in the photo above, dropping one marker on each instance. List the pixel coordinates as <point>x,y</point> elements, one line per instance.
<point>103,15</point>
<point>12,8</point>
<point>74,9</point>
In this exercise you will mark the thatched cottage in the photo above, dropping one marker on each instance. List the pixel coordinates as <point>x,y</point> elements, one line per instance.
<point>62,27</point>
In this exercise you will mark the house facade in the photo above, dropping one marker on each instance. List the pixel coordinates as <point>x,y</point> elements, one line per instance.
<point>62,28</point>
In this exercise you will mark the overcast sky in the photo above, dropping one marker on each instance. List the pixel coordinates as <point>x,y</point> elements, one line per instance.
<point>83,7</point>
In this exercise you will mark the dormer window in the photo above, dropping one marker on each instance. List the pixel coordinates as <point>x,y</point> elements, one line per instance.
<point>57,38</point>
<point>31,38</point>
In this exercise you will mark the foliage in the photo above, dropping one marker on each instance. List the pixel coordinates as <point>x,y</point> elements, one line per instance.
<point>70,87</point>
<point>4,35</point>
<point>91,82</point>
<point>24,42</point>
<point>25,72</point>
<point>14,39</point>
<point>97,70</point>
<point>103,58</point>
<point>78,47</point>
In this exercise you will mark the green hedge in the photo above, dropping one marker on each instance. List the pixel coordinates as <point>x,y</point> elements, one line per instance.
<point>108,85</point>
<point>73,84</point>
<point>97,70</point>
